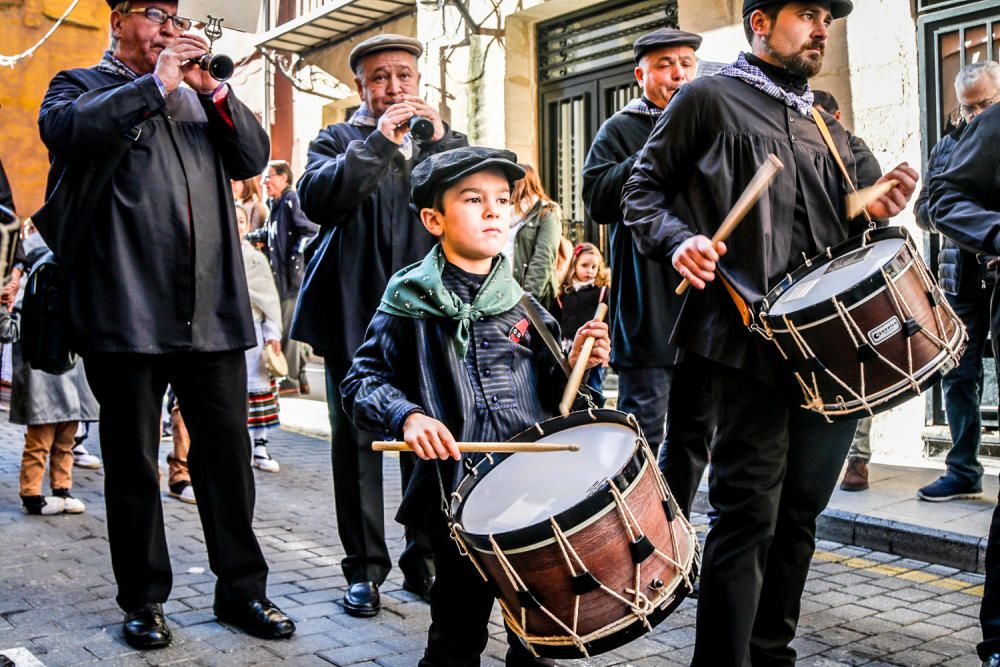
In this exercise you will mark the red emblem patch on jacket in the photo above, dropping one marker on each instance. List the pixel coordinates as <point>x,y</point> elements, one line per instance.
<point>518,330</point>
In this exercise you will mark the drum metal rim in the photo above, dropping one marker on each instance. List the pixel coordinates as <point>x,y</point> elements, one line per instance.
<point>584,510</point>
<point>480,542</point>
<point>777,328</point>
<point>855,242</point>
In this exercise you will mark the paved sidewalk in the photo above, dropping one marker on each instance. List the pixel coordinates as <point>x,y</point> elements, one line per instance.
<point>57,595</point>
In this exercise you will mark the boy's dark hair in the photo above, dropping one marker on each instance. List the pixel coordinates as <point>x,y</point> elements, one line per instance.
<point>282,168</point>
<point>826,100</point>
<point>771,11</point>
<point>439,200</point>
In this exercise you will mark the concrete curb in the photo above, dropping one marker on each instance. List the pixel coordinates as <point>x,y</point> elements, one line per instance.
<point>907,540</point>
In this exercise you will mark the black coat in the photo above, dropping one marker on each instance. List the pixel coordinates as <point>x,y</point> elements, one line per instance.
<point>287,227</point>
<point>706,147</point>
<point>964,199</point>
<point>956,267</point>
<point>508,381</point>
<point>6,196</point>
<point>641,300</point>
<point>162,269</point>
<point>356,186</point>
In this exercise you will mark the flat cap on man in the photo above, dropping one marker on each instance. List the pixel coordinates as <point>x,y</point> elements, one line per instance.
<point>384,42</point>
<point>664,38</point>
<point>839,8</point>
<point>442,170</point>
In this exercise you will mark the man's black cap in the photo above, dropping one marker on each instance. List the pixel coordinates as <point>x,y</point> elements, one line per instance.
<point>839,8</point>
<point>664,38</point>
<point>442,170</point>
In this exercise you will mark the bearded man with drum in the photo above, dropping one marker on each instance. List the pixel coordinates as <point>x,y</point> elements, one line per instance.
<point>964,202</point>
<point>775,464</point>
<point>643,307</point>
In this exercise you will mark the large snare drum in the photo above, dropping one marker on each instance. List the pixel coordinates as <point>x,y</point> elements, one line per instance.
<point>586,550</point>
<point>864,325</point>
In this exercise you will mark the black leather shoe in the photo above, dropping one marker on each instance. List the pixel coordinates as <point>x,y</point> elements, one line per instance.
<point>419,587</point>
<point>260,618</point>
<point>362,599</point>
<point>145,628</point>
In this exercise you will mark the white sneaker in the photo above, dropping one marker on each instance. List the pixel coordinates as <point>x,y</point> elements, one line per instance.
<point>183,492</point>
<point>263,461</point>
<point>71,505</point>
<point>84,459</point>
<point>50,505</point>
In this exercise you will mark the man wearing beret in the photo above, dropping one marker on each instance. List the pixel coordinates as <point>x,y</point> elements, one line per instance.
<point>643,307</point>
<point>160,297</point>
<point>775,464</point>
<point>356,186</point>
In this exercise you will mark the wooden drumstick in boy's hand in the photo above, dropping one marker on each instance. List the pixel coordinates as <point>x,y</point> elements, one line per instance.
<point>576,377</point>
<point>755,190</point>
<point>484,447</point>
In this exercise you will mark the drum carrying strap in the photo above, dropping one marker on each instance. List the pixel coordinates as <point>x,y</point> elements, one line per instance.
<point>741,305</point>
<point>828,138</point>
<point>550,341</point>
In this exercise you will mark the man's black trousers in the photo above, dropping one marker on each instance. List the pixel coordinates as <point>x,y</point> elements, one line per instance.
<point>211,392</point>
<point>357,493</point>
<point>989,612</point>
<point>774,466</point>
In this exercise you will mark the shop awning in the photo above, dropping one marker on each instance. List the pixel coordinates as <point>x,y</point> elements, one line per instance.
<point>334,23</point>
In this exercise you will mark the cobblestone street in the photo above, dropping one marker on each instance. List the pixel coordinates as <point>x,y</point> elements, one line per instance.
<point>57,594</point>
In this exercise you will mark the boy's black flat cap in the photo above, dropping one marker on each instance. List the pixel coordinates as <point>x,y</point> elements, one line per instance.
<point>839,8</point>
<point>443,170</point>
<point>663,38</point>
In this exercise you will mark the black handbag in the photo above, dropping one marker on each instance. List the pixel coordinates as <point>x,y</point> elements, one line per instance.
<point>45,329</point>
<point>64,222</point>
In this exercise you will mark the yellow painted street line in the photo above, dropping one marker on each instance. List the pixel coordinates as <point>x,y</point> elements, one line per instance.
<point>897,572</point>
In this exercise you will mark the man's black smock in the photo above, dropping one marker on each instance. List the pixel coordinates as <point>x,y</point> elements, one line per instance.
<point>964,199</point>
<point>287,226</point>
<point>704,150</point>
<point>162,269</point>
<point>356,186</point>
<point>508,381</point>
<point>642,305</point>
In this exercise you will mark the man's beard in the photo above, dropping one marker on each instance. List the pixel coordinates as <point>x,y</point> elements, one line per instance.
<point>797,63</point>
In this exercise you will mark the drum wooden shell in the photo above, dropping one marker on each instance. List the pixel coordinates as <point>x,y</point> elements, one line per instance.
<point>874,345</point>
<point>596,530</point>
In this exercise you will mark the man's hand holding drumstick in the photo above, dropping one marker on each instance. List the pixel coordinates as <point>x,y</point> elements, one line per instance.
<point>695,259</point>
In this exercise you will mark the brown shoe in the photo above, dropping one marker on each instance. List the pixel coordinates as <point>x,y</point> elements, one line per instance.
<point>856,477</point>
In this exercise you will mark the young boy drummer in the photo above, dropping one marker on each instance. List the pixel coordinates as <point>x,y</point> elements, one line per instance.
<point>450,356</point>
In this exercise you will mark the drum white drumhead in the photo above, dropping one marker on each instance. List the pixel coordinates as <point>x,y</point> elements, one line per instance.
<point>835,276</point>
<point>526,488</point>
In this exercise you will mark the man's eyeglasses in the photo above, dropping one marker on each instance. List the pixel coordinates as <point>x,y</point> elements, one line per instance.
<point>159,16</point>
<point>979,107</point>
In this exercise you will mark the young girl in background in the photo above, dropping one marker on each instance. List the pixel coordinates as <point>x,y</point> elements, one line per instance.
<point>585,286</point>
<point>261,387</point>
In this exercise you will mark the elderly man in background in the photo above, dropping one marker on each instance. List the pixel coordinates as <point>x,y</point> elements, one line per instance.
<point>356,185</point>
<point>288,230</point>
<point>968,285</point>
<point>643,307</point>
<point>964,203</point>
<point>161,298</point>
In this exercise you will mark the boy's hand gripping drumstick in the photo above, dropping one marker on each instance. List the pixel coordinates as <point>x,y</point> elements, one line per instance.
<point>755,189</point>
<point>576,377</point>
